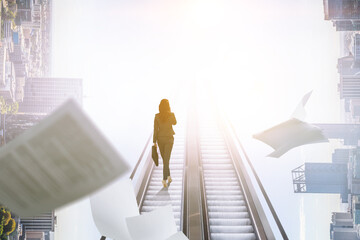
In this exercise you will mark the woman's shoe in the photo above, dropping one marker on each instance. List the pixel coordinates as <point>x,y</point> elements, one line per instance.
<point>169,179</point>
<point>164,183</point>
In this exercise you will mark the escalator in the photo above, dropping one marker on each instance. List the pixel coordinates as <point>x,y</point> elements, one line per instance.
<point>211,194</point>
<point>227,211</point>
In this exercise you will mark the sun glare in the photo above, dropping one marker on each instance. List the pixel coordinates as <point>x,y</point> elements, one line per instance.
<point>207,13</point>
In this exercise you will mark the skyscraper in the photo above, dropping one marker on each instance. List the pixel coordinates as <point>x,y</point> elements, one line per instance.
<point>356,47</point>
<point>341,155</point>
<point>349,86</point>
<point>39,225</point>
<point>44,94</point>
<point>341,9</point>
<point>345,14</point>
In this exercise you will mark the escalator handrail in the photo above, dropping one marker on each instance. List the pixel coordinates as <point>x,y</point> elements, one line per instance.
<point>267,199</point>
<point>204,212</point>
<point>141,157</point>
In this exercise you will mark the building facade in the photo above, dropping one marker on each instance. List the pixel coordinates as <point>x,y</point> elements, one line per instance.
<point>345,14</point>
<point>38,227</point>
<point>349,133</point>
<point>321,178</point>
<point>43,95</point>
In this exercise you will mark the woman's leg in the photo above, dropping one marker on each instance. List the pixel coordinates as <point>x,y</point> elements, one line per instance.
<point>165,151</point>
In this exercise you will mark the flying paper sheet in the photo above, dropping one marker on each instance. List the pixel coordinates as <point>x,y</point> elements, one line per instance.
<point>56,162</point>
<point>290,134</point>
<point>300,112</point>
<point>158,224</point>
<point>111,206</point>
<point>178,236</point>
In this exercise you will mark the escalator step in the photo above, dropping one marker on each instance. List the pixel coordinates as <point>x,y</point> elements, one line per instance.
<point>176,214</point>
<point>162,197</point>
<point>171,166</point>
<point>160,192</point>
<point>223,197</point>
<point>214,151</point>
<point>178,156</point>
<point>173,161</point>
<point>161,203</point>
<point>219,173</point>
<point>211,134</point>
<point>158,179</point>
<point>217,179</point>
<point>224,172</point>
<point>222,183</point>
<point>218,161</point>
<point>159,183</point>
<point>224,193</point>
<point>233,236</point>
<point>218,166</point>
<point>227,209</point>
<point>171,187</point>
<point>222,187</point>
<point>226,203</point>
<point>214,138</point>
<point>151,208</point>
<point>232,229</point>
<point>230,222</point>
<point>214,148</point>
<point>173,172</point>
<point>215,155</point>
<point>213,144</point>
<point>228,215</point>
<point>173,175</point>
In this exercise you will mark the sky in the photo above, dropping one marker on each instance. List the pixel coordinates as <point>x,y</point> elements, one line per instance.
<point>259,56</point>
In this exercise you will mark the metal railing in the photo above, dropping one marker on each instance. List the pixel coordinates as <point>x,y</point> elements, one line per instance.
<point>140,158</point>
<point>299,181</point>
<point>205,217</point>
<point>263,191</point>
<point>194,227</point>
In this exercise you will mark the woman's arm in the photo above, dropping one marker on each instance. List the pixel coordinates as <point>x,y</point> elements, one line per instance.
<point>173,119</point>
<point>156,129</point>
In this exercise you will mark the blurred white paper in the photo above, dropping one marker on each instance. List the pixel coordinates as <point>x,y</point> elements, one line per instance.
<point>61,159</point>
<point>290,134</point>
<point>300,112</point>
<point>178,236</point>
<point>158,224</point>
<point>110,207</point>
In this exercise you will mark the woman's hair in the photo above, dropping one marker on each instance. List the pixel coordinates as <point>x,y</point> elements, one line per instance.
<point>164,109</point>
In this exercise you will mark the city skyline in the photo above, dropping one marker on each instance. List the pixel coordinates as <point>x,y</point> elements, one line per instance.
<point>259,69</point>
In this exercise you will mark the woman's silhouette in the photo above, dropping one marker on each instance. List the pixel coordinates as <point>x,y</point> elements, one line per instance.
<point>164,136</point>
